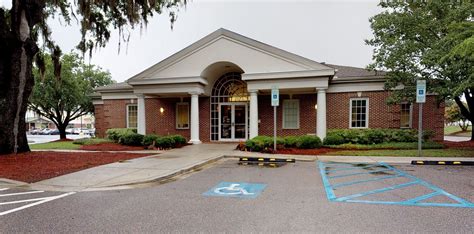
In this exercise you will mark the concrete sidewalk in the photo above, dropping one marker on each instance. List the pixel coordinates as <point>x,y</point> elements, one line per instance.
<point>140,170</point>
<point>136,172</point>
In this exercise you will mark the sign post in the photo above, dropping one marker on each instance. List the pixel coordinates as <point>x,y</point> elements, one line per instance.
<point>275,103</point>
<point>420,99</point>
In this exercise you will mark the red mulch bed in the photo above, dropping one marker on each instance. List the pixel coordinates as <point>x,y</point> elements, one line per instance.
<point>460,144</point>
<point>109,146</point>
<point>307,151</point>
<point>36,166</point>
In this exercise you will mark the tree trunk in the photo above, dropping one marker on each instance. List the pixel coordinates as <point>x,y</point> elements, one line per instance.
<point>62,131</point>
<point>16,80</point>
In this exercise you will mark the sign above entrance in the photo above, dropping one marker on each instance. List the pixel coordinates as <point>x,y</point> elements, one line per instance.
<point>420,91</point>
<point>275,96</point>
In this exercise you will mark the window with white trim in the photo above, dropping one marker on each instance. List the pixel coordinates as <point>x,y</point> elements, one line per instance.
<point>291,114</point>
<point>132,116</point>
<point>182,115</point>
<point>405,115</point>
<point>359,116</point>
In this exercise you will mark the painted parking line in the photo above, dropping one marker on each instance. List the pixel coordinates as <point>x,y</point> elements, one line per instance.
<point>35,201</point>
<point>331,167</point>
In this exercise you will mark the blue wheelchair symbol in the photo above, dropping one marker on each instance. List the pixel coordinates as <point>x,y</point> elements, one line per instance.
<point>236,189</point>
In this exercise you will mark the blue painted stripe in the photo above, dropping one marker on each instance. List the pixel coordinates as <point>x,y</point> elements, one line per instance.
<point>352,168</point>
<point>358,173</point>
<point>398,186</point>
<point>327,186</point>
<point>364,181</point>
<point>412,204</point>
<point>420,198</point>
<point>432,187</point>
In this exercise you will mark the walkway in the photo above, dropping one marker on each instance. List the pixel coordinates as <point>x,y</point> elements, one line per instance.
<point>139,170</point>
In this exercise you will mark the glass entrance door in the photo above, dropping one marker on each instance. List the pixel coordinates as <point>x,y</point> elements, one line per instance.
<point>233,121</point>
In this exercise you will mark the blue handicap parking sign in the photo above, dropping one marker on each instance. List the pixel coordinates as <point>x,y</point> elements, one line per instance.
<point>236,189</point>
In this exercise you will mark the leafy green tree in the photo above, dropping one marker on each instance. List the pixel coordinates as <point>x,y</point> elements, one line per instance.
<point>452,114</point>
<point>431,40</point>
<point>67,97</point>
<point>24,26</point>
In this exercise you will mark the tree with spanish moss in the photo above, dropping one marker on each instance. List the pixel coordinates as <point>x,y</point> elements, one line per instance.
<point>24,26</point>
<point>430,40</point>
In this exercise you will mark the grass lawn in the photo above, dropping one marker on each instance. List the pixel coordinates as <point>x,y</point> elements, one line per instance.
<point>68,145</point>
<point>388,145</point>
<point>407,153</point>
<point>456,131</point>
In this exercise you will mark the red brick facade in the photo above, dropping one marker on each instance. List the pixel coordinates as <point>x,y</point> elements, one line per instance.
<point>112,114</point>
<point>382,115</point>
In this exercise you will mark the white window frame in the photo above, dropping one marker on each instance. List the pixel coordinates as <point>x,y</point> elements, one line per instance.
<point>366,112</point>
<point>176,114</point>
<point>297,114</point>
<point>128,111</point>
<point>410,121</point>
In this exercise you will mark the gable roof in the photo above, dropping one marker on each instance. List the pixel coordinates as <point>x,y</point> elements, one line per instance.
<point>310,64</point>
<point>348,71</point>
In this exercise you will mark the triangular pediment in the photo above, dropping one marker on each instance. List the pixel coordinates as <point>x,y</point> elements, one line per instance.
<point>252,56</point>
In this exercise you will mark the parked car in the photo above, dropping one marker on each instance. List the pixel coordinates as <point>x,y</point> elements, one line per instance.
<point>54,132</point>
<point>35,131</point>
<point>46,131</point>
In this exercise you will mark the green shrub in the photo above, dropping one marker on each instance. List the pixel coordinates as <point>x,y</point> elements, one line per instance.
<point>290,141</point>
<point>428,134</point>
<point>132,139</point>
<point>179,140</point>
<point>115,133</point>
<point>260,143</point>
<point>374,136</point>
<point>149,139</point>
<point>165,142</point>
<point>308,142</point>
<point>333,140</point>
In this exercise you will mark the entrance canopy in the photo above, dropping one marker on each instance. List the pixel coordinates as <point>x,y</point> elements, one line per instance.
<point>197,67</point>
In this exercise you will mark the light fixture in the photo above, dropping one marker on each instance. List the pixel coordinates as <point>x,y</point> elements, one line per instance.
<point>162,110</point>
<point>316,106</point>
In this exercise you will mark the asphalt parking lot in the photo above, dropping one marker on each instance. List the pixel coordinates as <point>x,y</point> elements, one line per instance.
<point>294,199</point>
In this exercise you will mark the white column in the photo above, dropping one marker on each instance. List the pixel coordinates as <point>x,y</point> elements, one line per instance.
<point>195,119</point>
<point>321,114</point>
<point>141,122</point>
<point>253,113</point>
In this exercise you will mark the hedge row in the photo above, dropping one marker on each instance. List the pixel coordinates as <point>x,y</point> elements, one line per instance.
<point>265,143</point>
<point>373,136</point>
<point>126,136</point>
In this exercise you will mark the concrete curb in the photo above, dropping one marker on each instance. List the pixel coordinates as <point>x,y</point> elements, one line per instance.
<point>169,176</point>
<point>96,151</point>
<point>9,182</point>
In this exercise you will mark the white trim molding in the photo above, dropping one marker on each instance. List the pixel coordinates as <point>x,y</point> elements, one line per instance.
<point>366,112</point>
<point>284,108</point>
<point>177,113</point>
<point>127,110</point>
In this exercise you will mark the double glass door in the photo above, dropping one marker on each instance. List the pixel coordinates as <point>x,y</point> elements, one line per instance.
<point>232,121</point>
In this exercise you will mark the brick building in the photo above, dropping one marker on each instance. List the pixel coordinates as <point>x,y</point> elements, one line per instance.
<point>218,89</point>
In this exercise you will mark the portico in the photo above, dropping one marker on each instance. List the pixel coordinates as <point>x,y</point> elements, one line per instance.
<point>218,89</point>
<point>232,71</point>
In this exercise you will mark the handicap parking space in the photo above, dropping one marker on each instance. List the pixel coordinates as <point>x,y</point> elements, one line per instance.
<point>17,199</point>
<point>383,184</point>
